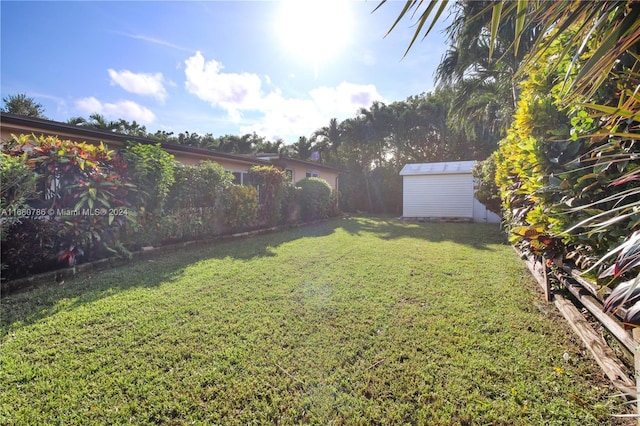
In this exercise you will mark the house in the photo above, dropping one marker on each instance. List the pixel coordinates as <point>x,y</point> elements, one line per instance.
<point>239,165</point>
<point>296,169</point>
<point>442,191</point>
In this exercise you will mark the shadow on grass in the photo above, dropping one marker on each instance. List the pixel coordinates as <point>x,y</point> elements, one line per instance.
<point>477,235</point>
<point>27,307</point>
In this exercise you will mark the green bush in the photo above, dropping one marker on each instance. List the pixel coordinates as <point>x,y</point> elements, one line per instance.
<point>240,207</point>
<point>151,169</point>
<point>315,198</point>
<point>84,203</point>
<point>194,205</point>
<point>198,186</point>
<point>290,208</point>
<point>487,191</point>
<point>270,182</point>
<point>17,185</point>
<point>554,177</point>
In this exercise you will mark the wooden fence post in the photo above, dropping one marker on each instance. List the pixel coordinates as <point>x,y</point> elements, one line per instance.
<point>545,276</point>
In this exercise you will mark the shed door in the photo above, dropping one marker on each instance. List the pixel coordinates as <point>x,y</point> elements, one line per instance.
<point>438,196</point>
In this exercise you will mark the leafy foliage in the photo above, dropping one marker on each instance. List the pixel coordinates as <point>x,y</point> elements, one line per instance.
<point>487,191</point>
<point>151,169</point>
<point>270,182</point>
<point>83,206</point>
<point>241,207</point>
<point>194,204</point>
<point>17,186</point>
<point>198,186</point>
<point>315,198</point>
<point>290,207</point>
<point>22,104</point>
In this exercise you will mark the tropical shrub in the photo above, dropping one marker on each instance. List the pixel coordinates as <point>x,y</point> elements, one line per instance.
<point>31,246</point>
<point>270,182</point>
<point>315,198</point>
<point>17,185</point>
<point>193,207</point>
<point>84,202</point>
<point>290,206</point>
<point>531,160</point>
<point>555,178</point>
<point>198,186</point>
<point>240,207</point>
<point>151,169</point>
<point>487,191</point>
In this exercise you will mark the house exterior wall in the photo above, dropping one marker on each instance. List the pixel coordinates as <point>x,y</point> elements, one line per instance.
<point>438,195</point>
<point>300,172</point>
<point>11,124</point>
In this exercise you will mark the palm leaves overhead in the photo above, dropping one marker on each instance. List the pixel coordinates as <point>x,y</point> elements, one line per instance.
<point>612,26</point>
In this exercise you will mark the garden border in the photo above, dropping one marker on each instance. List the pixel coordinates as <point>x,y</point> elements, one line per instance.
<point>577,292</point>
<point>58,276</point>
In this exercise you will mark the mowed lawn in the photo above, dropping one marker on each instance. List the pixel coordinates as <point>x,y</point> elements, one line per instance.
<point>361,320</point>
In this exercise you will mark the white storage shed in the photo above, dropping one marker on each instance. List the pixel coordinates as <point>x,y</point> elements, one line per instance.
<point>442,191</point>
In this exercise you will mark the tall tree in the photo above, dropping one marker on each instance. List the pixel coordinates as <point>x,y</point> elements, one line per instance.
<point>22,104</point>
<point>328,138</point>
<point>98,121</point>
<point>378,130</point>
<point>303,148</point>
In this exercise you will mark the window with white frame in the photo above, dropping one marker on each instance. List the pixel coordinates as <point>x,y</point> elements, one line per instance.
<point>241,178</point>
<point>288,175</point>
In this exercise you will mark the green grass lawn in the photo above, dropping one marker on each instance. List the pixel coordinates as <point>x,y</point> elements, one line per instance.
<point>353,321</point>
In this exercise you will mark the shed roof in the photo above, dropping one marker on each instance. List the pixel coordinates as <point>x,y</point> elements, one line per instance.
<point>443,168</point>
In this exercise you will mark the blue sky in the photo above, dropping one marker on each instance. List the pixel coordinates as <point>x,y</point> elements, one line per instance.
<point>221,67</point>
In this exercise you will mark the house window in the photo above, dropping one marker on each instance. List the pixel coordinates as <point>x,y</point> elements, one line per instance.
<point>288,175</point>
<point>241,178</point>
<point>313,174</point>
<point>51,187</point>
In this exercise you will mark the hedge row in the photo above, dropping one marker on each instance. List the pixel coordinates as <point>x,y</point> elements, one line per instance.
<point>568,180</point>
<point>64,202</point>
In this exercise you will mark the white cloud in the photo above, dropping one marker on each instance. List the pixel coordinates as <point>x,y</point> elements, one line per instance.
<point>127,110</point>
<point>345,99</point>
<point>231,91</point>
<point>301,117</point>
<point>140,83</point>
<point>280,116</point>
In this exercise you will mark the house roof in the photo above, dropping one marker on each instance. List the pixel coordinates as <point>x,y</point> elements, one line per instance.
<point>280,159</point>
<point>443,168</point>
<point>33,125</point>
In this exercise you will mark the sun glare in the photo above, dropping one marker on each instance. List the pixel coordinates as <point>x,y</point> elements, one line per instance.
<point>314,31</point>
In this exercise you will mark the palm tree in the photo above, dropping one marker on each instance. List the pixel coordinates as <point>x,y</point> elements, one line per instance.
<point>610,25</point>
<point>328,137</point>
<point>358,152</point>
<point>77,121</point>
<point>302,148</point>
<point>97,121</point>
<point>378,130</point>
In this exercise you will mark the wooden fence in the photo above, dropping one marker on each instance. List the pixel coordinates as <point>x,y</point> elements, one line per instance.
<point>575,291</point>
